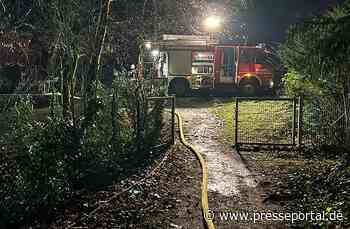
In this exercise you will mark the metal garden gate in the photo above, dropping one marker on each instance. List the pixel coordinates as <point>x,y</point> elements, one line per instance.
<point>267,121</point>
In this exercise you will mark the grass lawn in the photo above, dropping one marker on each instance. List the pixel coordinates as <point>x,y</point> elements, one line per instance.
<point>259,121</point>
<point>301,181</point>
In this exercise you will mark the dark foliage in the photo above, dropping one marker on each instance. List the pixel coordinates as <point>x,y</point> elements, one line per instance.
<point>53,158</point>
<point>321,188</point>
<point>316,55</point>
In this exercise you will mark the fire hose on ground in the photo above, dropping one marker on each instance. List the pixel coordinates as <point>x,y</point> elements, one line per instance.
<point>204,197</point>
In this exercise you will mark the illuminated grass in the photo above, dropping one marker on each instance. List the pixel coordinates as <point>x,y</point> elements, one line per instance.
<point>259,121</point>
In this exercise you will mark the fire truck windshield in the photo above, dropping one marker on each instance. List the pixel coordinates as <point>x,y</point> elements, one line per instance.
<point>251,56</point>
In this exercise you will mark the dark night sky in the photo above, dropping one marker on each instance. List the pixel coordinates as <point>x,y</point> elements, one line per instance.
<point>272,17</point>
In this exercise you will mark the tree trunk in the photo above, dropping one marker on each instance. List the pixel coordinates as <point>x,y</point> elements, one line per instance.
<point>95,60</point>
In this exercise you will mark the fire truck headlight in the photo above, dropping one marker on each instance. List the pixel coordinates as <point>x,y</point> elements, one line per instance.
<point>271,84</point>
<point>148,45</point>
<point>155,53</point>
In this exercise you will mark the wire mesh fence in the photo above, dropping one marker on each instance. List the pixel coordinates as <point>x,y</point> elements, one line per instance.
<point>262,121</point>
<point>151,120</point>
<point>165,122</point>
<point>40,107</point>
<point>315,122</point>
<point>157,86</point>
<point>39,102</point>
<point>325,121</point>
<point>46,154</point>
<point>130,101</point>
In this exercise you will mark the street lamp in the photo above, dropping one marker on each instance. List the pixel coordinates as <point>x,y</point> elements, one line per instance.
<point>213,24</point>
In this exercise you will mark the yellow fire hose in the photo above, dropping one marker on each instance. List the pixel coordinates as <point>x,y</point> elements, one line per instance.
<point>205,205</point>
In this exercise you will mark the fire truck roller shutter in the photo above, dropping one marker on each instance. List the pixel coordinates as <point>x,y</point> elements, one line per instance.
<point>249,86</point>
<point>180,62</point>
<point>180,66</point>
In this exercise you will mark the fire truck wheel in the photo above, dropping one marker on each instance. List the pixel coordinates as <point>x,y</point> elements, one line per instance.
<point>179,87</point>
<point>249,88</point>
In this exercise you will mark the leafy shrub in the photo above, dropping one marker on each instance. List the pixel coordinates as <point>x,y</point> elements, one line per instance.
<point>9,78</point>
<point>295,85</point>
<point>322,188</point>
<point>316,54</point>
<point>59,155</point>
<point>43,166</point>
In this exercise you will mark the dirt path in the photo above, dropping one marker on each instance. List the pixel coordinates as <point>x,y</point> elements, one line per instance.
<point>226,169</point>
<point>232,186</point>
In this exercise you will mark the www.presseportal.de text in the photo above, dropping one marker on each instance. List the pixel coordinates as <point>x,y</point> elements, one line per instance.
<point>291,217</point>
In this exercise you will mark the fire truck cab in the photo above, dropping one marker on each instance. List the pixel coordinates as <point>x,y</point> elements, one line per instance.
<point>244,68</point>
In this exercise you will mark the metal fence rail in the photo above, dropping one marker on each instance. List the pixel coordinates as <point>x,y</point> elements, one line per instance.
<point>266,121</point>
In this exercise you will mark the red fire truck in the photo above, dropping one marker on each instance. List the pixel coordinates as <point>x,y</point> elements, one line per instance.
<point>198,62</point>
<point>245,68</point>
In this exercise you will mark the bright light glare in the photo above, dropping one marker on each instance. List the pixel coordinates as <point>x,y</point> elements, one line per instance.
<point>212,22</point>
<point>148,45</point>
<point>155,52</point>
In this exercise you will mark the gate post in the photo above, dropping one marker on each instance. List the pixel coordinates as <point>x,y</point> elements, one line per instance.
<point>300,121</point>
<point>173,120</point>
<point>236,122</point>
<point>294,120</point>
